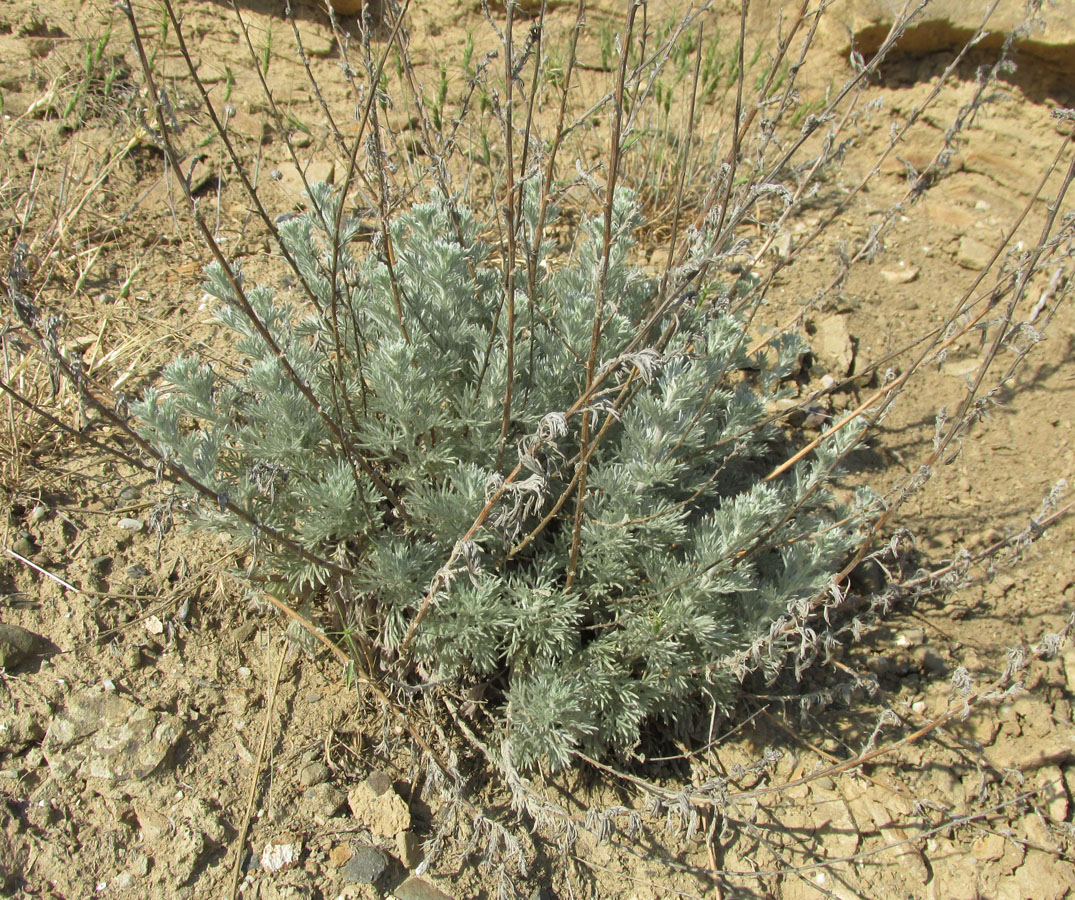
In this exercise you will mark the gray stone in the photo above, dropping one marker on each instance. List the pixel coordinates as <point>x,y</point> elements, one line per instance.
<point>103,735</point>
<point>101,565</point>
<point>313,773</point>
<point>128,524</point>
<point>24,545</point>
<point>378,782</point>
<point>16,644</point>
<point>415,888</point>
<point>322,801</point>
<point>409,849</point>
<point>365,866</point>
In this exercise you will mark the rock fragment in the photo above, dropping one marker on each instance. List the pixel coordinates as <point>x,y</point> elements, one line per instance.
<point>313,773</point>
<point>901,275</point>
<point>833,345</point>
<point>322,802</point>
<point>365,866</point>
<point>103,735</point>
<point>379,808</point>
<point>16,644</point>
<point>409,849</point>
<point>101,565</point>
<point>1069,669</point>
<point>973,254</point>
<point>24,545</point>
<point>415,888</point>
<point>1042,877</point>
<point>278,856</point>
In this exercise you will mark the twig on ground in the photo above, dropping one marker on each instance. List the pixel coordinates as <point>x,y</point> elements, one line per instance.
<point>255,776</point>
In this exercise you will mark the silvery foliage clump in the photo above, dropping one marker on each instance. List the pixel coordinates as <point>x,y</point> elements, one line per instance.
<point>684,553</point>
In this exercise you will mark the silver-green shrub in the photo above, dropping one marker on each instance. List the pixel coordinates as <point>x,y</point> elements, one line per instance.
<point>586,625</point>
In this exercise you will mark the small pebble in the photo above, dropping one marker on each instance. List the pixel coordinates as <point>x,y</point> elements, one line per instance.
<point>902,275</point>
<point>136,571</point>
<point>378,782</point>
<point>24,545</point>
<point>16,644</point>
<point>102,565</point>
<point>409,848</point>
<point>132,525</point>
<point>415,888</point>
<point>278,857</point>
<point>912,637</point>
<point>339,854</point>
<point>322,802</point>
<point>37,514</point>
<point>313,773</point>
<point>365,867</point>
